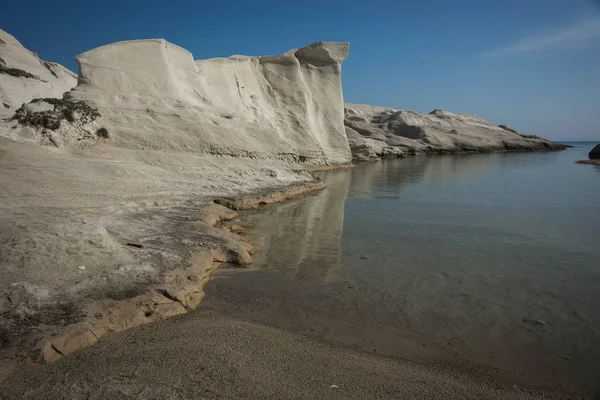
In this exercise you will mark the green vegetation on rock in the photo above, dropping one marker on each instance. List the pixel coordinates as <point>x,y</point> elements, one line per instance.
<point>63,110</point>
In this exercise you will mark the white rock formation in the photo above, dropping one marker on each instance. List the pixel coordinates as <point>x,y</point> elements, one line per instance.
<point>147,133</point>
<point>23,76</point>
<point>154,96</point>
<point>378,131</point>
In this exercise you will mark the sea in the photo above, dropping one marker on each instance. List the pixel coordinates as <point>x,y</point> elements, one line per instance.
<point>487,263</point>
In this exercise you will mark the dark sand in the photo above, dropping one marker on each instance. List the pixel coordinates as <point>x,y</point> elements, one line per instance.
<point>222,352</point>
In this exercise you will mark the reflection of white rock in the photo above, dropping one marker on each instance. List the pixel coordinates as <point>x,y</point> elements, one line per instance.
<point>153,95</point>
<point>395,174</point>
<point>302,238</point>
<point>378,131</point>
<point>23,76</point>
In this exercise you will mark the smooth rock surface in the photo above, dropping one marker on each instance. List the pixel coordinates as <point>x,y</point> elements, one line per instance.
<point>379,132</point>
<point>153,95</point>
<point>23,76</point>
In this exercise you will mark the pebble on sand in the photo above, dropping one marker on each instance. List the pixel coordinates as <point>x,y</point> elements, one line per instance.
<point>534,321</point>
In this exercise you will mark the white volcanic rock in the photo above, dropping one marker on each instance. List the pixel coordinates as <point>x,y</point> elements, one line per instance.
<point>168,126</point>
<point>147,133</point>
<point>152,95</point>
<point>23,76</point>
<point>378,131</point>
<point>368,149</point>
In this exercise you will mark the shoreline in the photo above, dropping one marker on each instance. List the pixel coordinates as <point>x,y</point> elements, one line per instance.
<point>179,291</point>
<point>198,355</point>
<point>223,301</point>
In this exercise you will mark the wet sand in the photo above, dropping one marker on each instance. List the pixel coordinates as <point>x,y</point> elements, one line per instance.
<point>209,355</point>
<point>252,338</point>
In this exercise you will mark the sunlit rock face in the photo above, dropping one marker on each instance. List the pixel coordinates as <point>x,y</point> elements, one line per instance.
<point>153,95</point>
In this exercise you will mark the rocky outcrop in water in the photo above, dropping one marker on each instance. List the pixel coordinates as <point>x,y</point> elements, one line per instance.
<point>23,76</point>
<point>594,157</point>
<point>375,132</point>
<point>595,153</point>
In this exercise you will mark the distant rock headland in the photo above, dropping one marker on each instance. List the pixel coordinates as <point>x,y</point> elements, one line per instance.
<point>375,132</point>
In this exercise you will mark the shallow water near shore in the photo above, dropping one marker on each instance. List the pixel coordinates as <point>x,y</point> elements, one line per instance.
<point>486,262</point>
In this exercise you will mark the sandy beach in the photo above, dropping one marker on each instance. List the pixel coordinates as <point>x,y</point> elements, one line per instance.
<point>209,355</point>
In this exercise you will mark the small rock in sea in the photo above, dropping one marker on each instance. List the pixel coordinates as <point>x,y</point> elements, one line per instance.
<point>534,321</point>
<point>333,386</point>
<point>81,267</point>
<point>364,258</point>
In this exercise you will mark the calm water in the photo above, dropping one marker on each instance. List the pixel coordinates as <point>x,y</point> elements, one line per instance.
<point>491,261</point>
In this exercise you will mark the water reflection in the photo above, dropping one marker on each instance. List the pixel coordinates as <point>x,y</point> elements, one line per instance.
<point>302,237</point>
<point>385,180</point>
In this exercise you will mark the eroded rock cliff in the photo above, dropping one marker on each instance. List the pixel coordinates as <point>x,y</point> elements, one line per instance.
<point>152,95</point>
<point>108,192</point>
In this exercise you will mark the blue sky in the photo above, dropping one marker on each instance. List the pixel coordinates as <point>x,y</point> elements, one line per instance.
<point>533,64</point>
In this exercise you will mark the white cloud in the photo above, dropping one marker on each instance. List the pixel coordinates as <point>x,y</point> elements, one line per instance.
<point>583,33</point>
